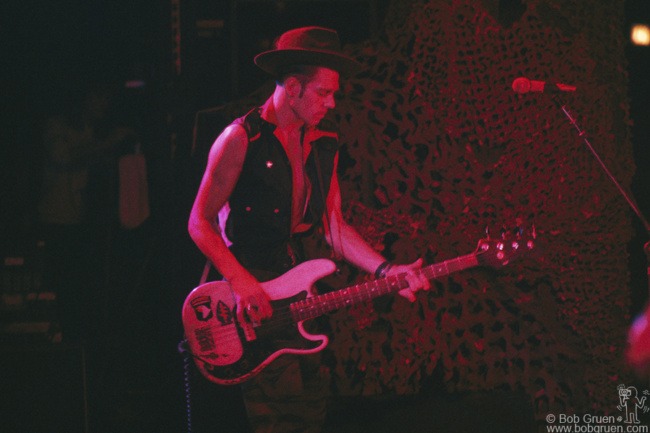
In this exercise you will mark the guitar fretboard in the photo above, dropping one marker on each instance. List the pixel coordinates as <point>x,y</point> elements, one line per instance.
<point>321,304</point>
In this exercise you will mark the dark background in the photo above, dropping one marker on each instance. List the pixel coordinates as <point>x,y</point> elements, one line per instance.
<point>52,50</point>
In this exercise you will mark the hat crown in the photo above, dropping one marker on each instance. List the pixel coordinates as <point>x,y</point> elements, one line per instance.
<point>315,46</point>
<point>309,38</point>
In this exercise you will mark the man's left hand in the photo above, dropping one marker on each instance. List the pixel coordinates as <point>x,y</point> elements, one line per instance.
<point>414,277</point>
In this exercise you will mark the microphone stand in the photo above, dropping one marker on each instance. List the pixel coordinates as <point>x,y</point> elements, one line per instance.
<point>639,335</point>
<point>581,133</point>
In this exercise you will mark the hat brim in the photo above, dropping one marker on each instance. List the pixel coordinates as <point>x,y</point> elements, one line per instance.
<point>274,62</point>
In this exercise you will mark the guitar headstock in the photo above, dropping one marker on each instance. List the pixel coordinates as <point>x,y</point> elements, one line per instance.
<point>501,250</point>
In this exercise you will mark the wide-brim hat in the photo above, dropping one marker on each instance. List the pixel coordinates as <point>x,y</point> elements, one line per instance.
<point>313,46</point>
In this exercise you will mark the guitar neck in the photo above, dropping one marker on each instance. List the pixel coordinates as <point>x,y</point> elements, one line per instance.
<point>322,304</point>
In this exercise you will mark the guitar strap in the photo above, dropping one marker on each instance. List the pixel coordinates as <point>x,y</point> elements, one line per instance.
<point>206,271</point>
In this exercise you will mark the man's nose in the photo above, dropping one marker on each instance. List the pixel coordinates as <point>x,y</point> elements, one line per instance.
<point>330,102</point>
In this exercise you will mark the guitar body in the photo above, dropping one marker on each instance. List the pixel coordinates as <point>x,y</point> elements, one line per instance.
<point>228,352</point>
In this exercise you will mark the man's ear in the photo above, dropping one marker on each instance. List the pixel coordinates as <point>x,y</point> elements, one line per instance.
<point>292,86</point>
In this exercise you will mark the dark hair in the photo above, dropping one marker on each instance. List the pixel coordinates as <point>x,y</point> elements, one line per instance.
<point>303,73</point>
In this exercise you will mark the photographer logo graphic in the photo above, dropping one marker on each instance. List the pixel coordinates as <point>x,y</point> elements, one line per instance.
<point>630,403</point>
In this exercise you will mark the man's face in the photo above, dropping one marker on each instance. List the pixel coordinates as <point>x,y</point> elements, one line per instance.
<point>317,97</point>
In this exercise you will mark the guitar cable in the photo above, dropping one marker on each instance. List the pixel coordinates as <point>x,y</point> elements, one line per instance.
<point>184,351</point>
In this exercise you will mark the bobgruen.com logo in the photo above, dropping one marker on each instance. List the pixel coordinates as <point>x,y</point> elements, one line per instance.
<point>631,406</point>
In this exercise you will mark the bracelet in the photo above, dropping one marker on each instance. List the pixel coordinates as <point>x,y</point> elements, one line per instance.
<point>382,269</point>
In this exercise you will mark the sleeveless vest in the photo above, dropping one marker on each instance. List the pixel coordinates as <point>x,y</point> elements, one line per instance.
<point>258,224</point>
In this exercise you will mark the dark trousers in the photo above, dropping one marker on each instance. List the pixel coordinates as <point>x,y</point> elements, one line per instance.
<point>290,394</point>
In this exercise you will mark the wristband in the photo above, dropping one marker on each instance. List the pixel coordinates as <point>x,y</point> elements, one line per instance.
<point>382,269</point>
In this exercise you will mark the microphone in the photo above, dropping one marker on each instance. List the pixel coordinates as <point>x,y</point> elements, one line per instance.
<point>524,85</point>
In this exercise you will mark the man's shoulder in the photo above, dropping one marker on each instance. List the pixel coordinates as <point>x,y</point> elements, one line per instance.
<point>234,133</point>
<point>251,122</point>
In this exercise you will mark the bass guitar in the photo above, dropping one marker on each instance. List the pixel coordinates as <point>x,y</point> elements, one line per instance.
<point>229,352</point>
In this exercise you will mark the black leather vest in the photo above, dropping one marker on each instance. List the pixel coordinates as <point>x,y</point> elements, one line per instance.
<point>259,222</point>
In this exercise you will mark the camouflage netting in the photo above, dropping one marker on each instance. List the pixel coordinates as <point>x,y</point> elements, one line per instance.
<point>437,148</point>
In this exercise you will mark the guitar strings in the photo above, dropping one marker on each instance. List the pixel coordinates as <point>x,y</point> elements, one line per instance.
<point>313,307</point>
<point>284,316</point>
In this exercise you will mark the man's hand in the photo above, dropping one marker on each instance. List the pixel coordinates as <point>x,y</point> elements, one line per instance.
<point>252,302</point>
<point>416,280</point>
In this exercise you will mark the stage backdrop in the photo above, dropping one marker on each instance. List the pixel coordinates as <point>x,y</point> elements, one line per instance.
<point>440,147</point>
<point>437,147</point>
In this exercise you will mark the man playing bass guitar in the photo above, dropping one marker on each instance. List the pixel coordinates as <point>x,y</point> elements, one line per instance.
<point>270,177</point>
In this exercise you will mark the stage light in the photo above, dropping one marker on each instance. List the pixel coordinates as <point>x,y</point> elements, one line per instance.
<point>640,34</point>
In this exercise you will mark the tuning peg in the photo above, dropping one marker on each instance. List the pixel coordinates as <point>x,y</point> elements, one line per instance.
<point>530,244</point>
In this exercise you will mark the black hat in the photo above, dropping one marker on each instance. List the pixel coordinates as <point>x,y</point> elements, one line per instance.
<point>315,46</point>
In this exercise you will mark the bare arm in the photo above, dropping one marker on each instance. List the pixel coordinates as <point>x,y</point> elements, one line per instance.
<point>347,242</point>
<point>224,166</point>
<point>344,239</point>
